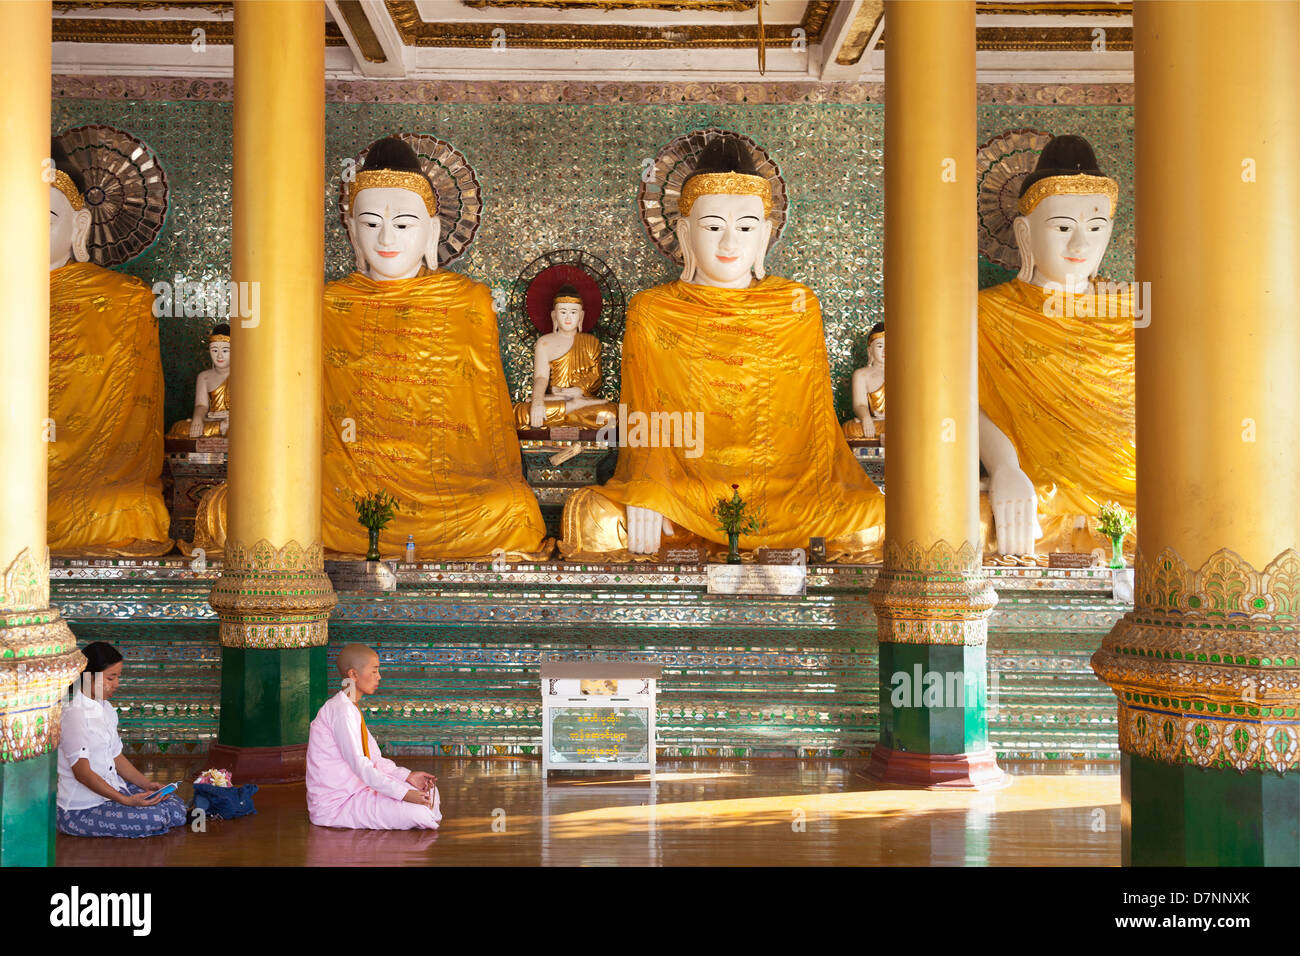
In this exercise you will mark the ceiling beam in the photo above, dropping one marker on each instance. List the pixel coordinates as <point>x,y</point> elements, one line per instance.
<point>371,36</point>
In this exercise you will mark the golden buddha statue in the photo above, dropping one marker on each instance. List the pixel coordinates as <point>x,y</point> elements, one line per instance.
<point>211,416</point>
<point>744,354</point>
<point>416,402</point>
<point>105,396</point>
<point>869,390</point>
<point>1056,364</point>
<point>566,372</point>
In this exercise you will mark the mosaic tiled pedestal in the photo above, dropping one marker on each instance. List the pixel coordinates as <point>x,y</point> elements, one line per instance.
<point>190,467</point>
<point>743,676</point>
<point>556,467</point>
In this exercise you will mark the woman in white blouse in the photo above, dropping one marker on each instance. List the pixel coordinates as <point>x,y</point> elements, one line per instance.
<point>100,792</point>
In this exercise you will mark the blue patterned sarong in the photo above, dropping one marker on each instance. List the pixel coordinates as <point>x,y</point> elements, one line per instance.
<point>112,819</point>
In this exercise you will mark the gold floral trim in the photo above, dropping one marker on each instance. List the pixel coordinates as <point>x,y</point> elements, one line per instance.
<point>1080,184</point>
<point>932,595</point>
<point>1208,740</point>
<point>38,660</point>
<point>1225,585</point>
<point>264,556</point>
<point>729,184</point>
<point>939,556</point>
<point>64,184</point>
<point>393,179</point>
<point>275,635</point>
<point>26,582</point>
<point>1206,667</point>
<point>270,597</point>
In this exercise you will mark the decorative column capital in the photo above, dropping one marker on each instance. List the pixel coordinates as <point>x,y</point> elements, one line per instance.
<point>273,598</point>
<point>1206,667</point>
<point>933,595</point>
<point>38,659</point>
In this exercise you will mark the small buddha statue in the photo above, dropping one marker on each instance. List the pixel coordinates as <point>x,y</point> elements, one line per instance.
<point>743,354</point>
<point>566,372</point>
<point>416,401</point>
<point>869,390</point>
<point>105,395</point>
<point>211,416</point>
<point>1056,382</point>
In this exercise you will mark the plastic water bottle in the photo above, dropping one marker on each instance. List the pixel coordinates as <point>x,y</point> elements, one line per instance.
<point>410,549</point>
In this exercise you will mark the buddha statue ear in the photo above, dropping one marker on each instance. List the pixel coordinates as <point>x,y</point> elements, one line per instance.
<point>764,238</point>
<point>359,257</point>
<point>431,251</point>
<point>1021,228</point>
<point>683,232</point>
<point>81,235</point>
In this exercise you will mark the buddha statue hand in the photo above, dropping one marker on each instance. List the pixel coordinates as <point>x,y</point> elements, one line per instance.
<point>196,426</point>
<point>1015,510</point>
<point>644,529</point>
<point>868,426</point>
<point>1012,495</point>
<point>537,413</point>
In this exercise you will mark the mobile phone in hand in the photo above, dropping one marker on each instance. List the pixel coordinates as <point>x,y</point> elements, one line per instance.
<point>166,791</point>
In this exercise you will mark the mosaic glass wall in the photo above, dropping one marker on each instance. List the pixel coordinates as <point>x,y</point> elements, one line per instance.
<point>565,176</point>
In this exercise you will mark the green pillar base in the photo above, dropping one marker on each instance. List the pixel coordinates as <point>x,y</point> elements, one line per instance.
<point>27,798</point>
<point>268,699</point>
<point>1182,815</point>
<point>933,718</point>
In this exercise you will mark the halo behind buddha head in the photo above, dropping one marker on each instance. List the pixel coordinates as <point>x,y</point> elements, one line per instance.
<point>547,285</point>
<point>67,177</point>
<point>1001,165</point>
<point>457,196</point>
<point>122,184</point>
<point>660,195</point>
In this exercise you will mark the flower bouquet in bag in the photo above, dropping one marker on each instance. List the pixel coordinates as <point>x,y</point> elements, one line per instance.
<point>217,796</point>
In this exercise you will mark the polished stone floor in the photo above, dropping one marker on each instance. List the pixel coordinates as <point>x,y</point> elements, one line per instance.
<point>761,812</point>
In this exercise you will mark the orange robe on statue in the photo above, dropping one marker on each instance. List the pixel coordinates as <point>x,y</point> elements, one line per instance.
<point>106,406</point>
<point>753,363</point>
<point>1060,387</point>
<point>416,404</point>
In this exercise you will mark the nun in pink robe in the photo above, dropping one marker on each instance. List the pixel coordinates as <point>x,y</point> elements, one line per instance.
<point>348,788</point>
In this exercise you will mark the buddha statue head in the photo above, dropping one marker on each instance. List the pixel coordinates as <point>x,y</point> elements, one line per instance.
<point>1067,213</point>
<point>725,218</point>
<point>219,347</point>
<point>566,310</point>
<point>69,215</point>
<point>876,346</point>
<point>392,213</point>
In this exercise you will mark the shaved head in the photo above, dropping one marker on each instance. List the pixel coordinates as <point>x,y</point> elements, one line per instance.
<point>354,657</point>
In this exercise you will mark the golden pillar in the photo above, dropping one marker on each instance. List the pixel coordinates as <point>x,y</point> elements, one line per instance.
<point>273,598</point>
<point>932,598</point>
<point>1205,666</point>
<point>38,654</point>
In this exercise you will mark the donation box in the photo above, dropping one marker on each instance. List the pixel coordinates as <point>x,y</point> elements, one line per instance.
<point>598,716</point>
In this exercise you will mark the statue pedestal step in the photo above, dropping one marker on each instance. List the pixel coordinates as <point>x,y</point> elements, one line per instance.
<point>793,675</point>
<point>190,467</point>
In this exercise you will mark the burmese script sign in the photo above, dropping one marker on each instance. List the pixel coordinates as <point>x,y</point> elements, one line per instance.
<point>604,735</point>
<point>599,715</point>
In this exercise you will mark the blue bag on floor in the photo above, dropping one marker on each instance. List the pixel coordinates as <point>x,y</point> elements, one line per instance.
<point>224,803</point>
